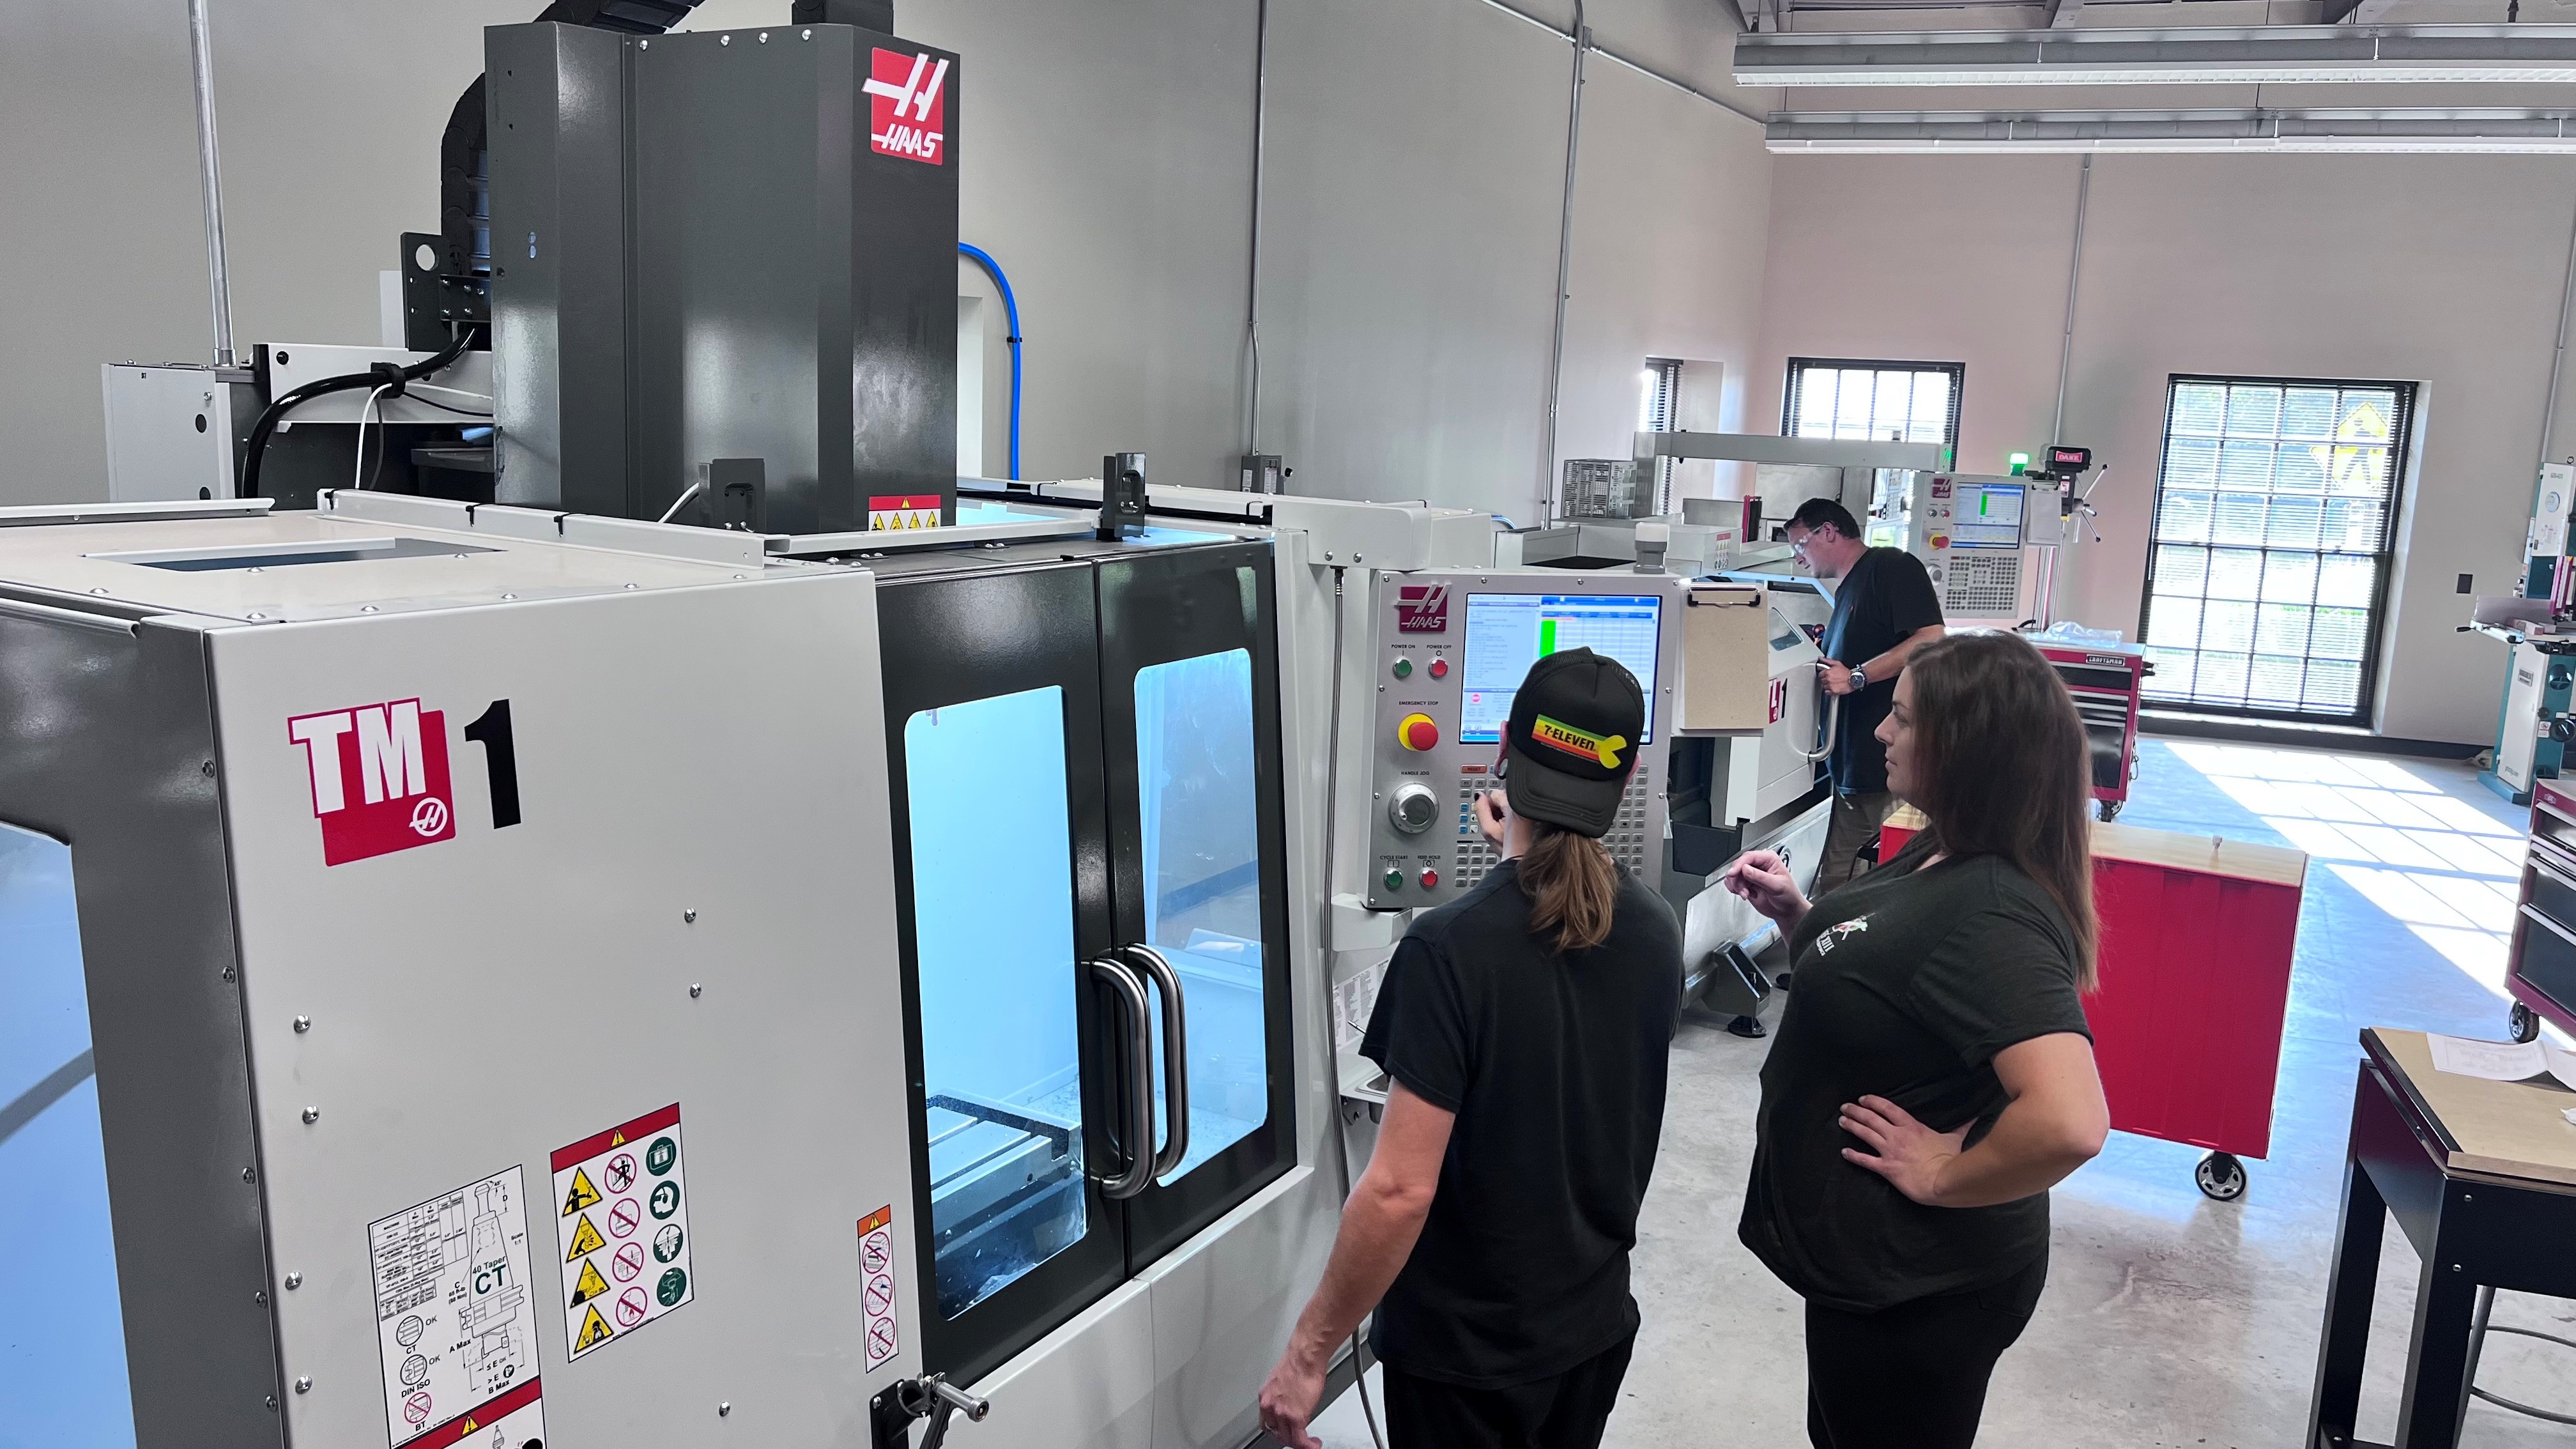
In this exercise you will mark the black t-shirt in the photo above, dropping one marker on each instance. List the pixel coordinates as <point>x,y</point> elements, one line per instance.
<point>1910,979</point>
<point>1555,1066</point>
<point>1887,596</point>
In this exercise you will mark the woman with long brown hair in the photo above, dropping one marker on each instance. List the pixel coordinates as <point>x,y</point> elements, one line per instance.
<point>1525,1027</point>
<point>1933,1076</point>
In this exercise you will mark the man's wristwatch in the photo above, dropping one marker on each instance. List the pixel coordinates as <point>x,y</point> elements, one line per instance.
<point>1859,680</point>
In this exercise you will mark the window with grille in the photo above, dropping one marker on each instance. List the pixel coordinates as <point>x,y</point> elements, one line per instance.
<point>2276,506</point>
<point>1904,402</point>
<point>1659,398</point>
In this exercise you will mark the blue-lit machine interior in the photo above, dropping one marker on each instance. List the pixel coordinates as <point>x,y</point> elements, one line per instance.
<point>1001,1047</point>
<point>62,1331</point>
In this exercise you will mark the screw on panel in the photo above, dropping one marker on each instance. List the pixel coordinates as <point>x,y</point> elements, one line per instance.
<point>294,1281</point>
<point>207,769</point>
<point>689,914</point>
<point>304,1384</point>
<point>270,1400</point>
<point>644,45</point>
<point>724,40</point>
<point>723,1409</point>
<point>260,1297</point>
<point>101,592</point>
<point>808,35</point>
<point>228,973</point>
<point>250,1174</point>
<point>303,1024</point>
<point>696,990</point>
<point>764,37</point>
<point>312,1115</point>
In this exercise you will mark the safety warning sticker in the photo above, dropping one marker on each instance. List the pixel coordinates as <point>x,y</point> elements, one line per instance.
<point>627,1180</point>
<point>902,510</point>
<point>876,1283</point>
<point>456,1315</point>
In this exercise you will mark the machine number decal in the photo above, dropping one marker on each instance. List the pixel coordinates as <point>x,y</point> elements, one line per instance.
<point>379,780</point>
<point>608,1160</point>
<point>876,1284</point>
<point>1779,700</point>
<point>456,1316</point>
<point>907,106</point>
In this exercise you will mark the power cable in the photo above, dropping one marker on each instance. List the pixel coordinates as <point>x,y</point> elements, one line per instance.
<point>384,374</point>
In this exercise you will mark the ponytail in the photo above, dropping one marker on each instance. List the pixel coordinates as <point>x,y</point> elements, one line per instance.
<point>1573,886</point>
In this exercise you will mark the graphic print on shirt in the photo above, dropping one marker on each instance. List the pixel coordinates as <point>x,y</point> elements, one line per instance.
<point>1833,935</point>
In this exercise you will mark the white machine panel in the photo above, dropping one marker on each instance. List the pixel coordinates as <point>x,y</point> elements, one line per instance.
<point>1452,647</point>
<point>174,430</point>
<point>1970,531</point>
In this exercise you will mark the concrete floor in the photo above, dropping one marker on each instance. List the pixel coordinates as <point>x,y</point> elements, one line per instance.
<point>2169,1319</point>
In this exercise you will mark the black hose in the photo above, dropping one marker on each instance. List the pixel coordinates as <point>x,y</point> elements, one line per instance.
<point>383,374</point>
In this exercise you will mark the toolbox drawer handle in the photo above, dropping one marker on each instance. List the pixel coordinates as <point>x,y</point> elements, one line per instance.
<point>2555,929</point>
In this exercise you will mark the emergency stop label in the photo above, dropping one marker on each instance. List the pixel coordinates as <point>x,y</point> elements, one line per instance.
<point>379,778</point>
<point>876,1284</point>
<point>456,1316</point>
<point>623,1220</point>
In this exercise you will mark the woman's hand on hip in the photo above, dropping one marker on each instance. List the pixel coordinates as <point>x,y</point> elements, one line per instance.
<point>1763,879</point>
<point>1908,1154</point>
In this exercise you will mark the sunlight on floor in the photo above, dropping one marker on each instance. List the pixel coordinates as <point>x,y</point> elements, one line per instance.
<point>2450,872</point>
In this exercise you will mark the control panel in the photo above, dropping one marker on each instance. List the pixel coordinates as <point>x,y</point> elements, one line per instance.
<point>1969,530</point>
<point>1452,648</point>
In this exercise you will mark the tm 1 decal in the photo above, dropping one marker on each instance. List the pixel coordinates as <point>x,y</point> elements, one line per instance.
<point>393,758</point>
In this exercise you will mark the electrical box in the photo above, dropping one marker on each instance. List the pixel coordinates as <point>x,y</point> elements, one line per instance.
<point>175,431</point>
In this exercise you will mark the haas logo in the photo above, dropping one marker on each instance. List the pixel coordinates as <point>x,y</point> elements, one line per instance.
<point>907,106</point>
<point>1422,609</point>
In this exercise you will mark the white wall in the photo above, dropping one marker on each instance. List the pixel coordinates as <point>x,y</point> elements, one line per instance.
<point>1416,155</point>
<point>2441,270</point>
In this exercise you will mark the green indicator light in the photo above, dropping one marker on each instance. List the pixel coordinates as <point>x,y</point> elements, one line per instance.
<point>2020,463</point>
<point>1394,880</point>
<point>1404,669</point>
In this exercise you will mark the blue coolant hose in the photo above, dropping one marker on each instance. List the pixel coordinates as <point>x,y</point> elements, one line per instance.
<point>1011,310</point>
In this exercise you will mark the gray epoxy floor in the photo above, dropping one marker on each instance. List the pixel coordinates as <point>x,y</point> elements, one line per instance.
<point>2169,1319</point>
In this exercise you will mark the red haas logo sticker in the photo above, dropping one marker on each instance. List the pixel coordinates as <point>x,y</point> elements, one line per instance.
<point>907,106</point>
<point>379,778</point>
<point>1422,609</point>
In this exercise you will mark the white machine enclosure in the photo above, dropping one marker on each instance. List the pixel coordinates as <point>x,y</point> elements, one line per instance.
<point>174,429</point>
<point>688,911</point>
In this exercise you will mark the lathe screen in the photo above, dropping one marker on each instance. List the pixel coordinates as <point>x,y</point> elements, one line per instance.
<point>1507,633</point>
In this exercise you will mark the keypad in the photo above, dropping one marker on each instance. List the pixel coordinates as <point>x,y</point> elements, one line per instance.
<point>1983,583</point>
<point>1626,838</point>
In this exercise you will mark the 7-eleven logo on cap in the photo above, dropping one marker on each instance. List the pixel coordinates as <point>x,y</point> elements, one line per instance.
<point>907,106</point>
<point>1557,734</point>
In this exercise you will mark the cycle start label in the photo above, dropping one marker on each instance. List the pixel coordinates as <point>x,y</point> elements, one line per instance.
<point>623,1219</point>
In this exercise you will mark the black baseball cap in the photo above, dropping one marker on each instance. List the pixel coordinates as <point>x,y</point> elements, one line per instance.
<point>1572,741</point>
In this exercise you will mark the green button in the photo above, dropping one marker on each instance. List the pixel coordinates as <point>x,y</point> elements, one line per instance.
<point>1395,880</point>
<point>1404,669</point>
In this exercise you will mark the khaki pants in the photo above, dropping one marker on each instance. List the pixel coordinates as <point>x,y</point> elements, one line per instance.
<point>1854,830</point>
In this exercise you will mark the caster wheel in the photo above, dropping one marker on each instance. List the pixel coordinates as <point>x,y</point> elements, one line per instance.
<point>2525,1023</point>
<point>2221,1177</point>
<point>2111,809</point>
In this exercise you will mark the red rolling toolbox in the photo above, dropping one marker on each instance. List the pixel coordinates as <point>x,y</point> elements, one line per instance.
<point>2197,936</point>
<point>2541,968</point>
<point>2106,680</point>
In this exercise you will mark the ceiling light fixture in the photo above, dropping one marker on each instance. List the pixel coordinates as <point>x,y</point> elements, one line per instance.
<point>2252,54</point>
<point>2484,131</point>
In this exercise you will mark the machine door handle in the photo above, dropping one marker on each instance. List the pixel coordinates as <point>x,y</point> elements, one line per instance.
<point>1833,727</point>
<point>1139,1133</point>
<point>1176,1058</point>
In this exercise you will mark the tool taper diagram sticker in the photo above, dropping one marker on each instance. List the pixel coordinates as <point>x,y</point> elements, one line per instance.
<point>876,1283</point>
<point>622,1216</point>
<point>456,1315</point>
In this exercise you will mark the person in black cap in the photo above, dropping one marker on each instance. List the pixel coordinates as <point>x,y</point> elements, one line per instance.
<point>1525,1028</point>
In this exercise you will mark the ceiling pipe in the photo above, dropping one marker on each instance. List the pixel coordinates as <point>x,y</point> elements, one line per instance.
<point>1564,266</point>
<point>210,177</point>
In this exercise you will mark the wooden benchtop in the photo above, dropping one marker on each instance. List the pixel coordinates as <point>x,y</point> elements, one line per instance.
<point>2206,854</point>
<point>2498,1129</point>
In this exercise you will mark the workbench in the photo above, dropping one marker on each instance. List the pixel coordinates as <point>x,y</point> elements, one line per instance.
<point>2481,1176</point>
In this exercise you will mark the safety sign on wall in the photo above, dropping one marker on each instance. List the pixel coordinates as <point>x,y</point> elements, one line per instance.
<point>456,1315</point>
<point>876,1283</point>
<point>623,1214</point>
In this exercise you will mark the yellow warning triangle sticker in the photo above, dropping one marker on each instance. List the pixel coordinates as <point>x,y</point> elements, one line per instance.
<point>469,1428</point>
<point>594,1331</point>
<point>582,1195</point>
<point>585,1239</point>
<point>590,1286</point>
<point>616,1139</point>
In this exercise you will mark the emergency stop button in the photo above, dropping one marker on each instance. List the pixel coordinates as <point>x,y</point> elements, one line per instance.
<point>1417,732</point>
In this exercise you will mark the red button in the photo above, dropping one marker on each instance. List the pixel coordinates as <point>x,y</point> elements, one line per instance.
<point>1440,669</point>
<point>1417,732</point>
<point>1431,880</point>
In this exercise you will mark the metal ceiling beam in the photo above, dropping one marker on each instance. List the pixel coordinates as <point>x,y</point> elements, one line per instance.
<point>2233,55</point>
<point>2496,130</point>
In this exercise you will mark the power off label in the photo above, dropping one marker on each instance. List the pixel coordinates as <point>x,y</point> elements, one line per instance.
<point>876,1284</point>
<point>623,1217</point>
<point>456,1321</point>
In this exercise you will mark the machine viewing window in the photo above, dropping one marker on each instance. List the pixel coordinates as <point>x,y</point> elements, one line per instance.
<point>62,1327</point>
<point>1000,1049</point>
<point>1986,515</point>
<point>1877,401</point>
<point>1507,633</point>
<point>1194,777</point>
<point>2276,506</point>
